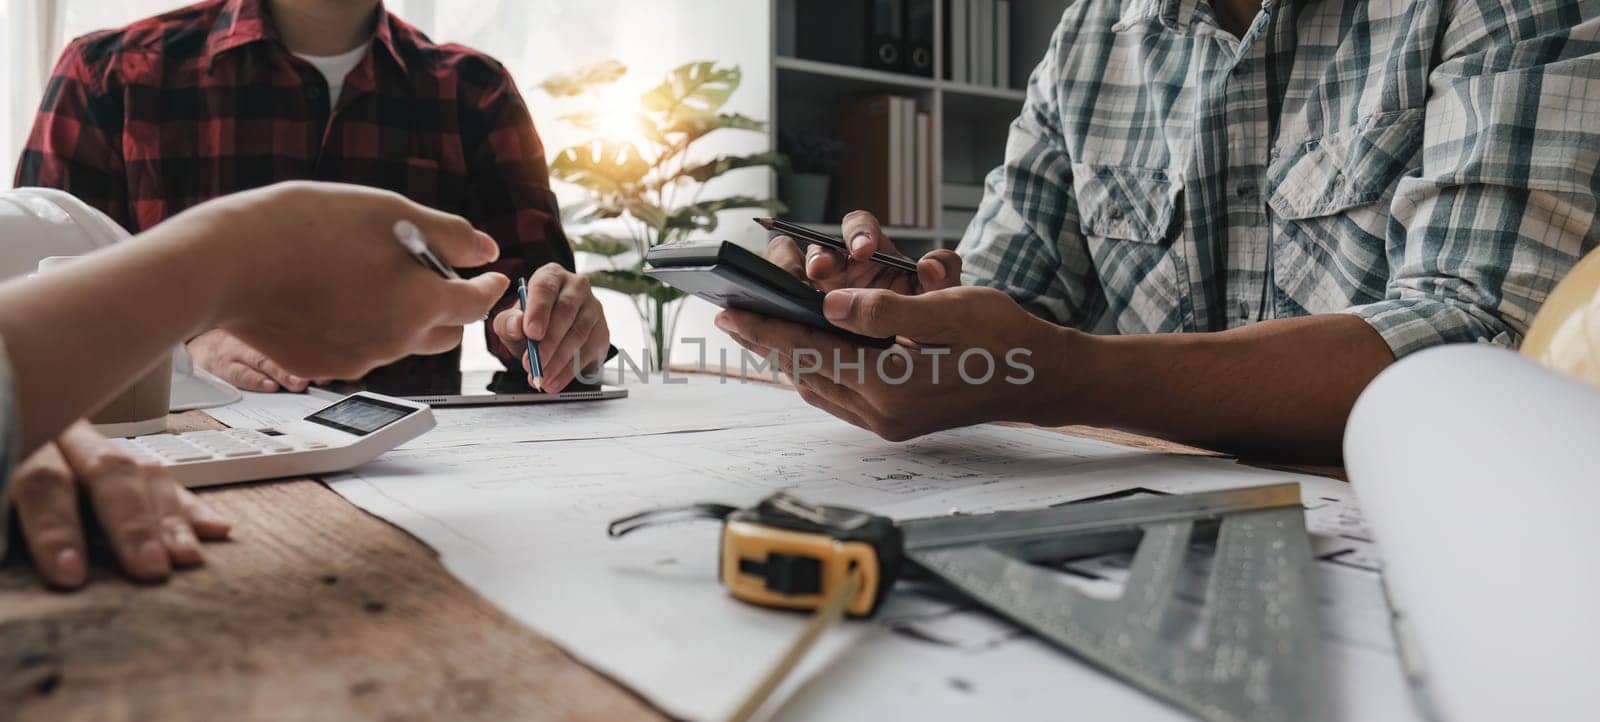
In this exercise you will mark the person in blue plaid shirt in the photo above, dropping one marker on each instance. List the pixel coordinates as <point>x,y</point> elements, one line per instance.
<point>1216,222</point>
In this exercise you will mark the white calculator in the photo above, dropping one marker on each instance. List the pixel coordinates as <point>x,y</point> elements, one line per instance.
<point>343,435</point>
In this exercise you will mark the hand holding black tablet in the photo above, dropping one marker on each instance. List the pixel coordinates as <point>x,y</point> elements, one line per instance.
<point>732,277</point>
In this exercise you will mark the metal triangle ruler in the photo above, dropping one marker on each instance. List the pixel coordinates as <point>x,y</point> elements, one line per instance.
<point>1252,653</point>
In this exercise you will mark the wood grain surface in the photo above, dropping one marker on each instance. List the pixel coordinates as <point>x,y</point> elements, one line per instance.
<point>314,611</point>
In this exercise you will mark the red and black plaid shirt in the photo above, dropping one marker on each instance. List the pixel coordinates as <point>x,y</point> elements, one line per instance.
<point>204,101</point>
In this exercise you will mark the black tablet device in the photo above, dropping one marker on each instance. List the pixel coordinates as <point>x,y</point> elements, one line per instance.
<point>732,277</point>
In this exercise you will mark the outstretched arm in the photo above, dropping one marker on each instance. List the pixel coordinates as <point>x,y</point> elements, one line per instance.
<point>309,273</point>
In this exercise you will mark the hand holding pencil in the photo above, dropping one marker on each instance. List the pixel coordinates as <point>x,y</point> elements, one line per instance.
<point>872,260</point>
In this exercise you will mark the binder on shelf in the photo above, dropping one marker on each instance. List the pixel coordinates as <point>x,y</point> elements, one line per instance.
<point>832,31</point>
<point>886,42</point>
<point>919,37</point>
<point>866,170</point>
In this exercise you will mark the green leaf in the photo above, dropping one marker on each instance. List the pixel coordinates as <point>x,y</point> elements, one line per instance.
<point>651,214</point>
<point>665,294</point>
<point>715,167</point>
<point>626,281</point>
<point>702,216</point>
<point>578,81</point>
<point>587,210</point>
<point>692,218</point>
<point>606,167</point>
<point>693,126</point>
<point>602,244</point>
<point>692,89</point>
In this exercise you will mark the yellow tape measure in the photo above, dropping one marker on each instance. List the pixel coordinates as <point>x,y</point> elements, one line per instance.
<point>789,553</point>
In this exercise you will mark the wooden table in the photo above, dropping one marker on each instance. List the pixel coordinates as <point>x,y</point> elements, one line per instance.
<point>315,610</point>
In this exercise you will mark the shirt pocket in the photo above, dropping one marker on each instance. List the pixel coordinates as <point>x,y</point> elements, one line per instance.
<point>1330,200</point>
<point>427,182</point>
<point>1126,216</point>
<point>1125,204</point>
<point>1352,167</point>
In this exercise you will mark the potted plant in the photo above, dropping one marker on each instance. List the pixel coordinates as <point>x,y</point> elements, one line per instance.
<point>643,183</point>
<point>813,158</point>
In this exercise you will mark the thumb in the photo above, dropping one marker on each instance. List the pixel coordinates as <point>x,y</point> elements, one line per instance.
<point>454,239</point>
<point>879,312</point>
<point>864,235</point>
<point>939,269</point>
<point>468,301</point>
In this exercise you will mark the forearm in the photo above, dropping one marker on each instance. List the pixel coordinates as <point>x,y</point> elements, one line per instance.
<point>1279,388</point>
<point>80,335</point>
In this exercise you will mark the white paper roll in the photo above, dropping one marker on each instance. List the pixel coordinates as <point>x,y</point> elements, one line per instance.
<point>1479,474</point>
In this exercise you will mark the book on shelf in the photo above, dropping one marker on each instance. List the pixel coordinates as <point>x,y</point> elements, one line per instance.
<point>956,37</point>
<point>983,70</point>
<point>907,140</point>
<point>1002,43</point>
<point>866,168</point>
<point>897,161</point>
<point>924,170</point>
<point>888,160</point>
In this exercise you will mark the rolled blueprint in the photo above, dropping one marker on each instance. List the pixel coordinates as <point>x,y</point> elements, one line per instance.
<point>1479,474</point>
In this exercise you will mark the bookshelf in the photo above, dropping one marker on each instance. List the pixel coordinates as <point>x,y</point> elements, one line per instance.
<point>969,120</point>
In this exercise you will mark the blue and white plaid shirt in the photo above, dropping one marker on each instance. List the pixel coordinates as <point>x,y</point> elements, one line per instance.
<point>1431,166</point>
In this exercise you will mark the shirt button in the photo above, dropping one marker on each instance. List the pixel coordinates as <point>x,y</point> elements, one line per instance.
<point>313,92</point>
<point>1246,190</point>
<point>1115,213</point>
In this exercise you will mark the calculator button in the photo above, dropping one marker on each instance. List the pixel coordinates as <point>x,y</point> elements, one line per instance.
<point>180,456</point>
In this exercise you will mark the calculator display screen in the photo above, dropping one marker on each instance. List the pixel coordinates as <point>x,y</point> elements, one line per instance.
<point>359,415</point>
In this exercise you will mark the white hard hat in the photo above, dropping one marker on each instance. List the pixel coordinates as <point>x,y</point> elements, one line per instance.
<point>38,223</point>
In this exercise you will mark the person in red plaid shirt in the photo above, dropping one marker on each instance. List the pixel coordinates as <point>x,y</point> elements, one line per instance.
<point>228,95</point>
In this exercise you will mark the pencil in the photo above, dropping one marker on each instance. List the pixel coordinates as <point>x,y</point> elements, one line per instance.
<point>535,371</point>
<point>802,233</point>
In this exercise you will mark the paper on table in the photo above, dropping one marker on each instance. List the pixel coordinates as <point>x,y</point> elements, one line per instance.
<point>1480,472</point>
<point>693,403</point>
<point>264,411</point>
<point>698,403</point>
<point>523,524</point>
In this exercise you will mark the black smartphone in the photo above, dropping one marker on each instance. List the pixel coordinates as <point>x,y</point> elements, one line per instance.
<point>732,277</point>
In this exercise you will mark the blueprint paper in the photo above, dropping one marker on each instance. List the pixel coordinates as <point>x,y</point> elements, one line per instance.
<point>1479,471</point>
<point>264,411</point>
<point>687,403</point>
<point>700,403</point>
<point>524,525</point>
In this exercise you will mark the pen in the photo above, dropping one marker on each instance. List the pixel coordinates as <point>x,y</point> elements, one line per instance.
<point>801,233</point>
<point>534,370</point>
<point>410,236</point>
